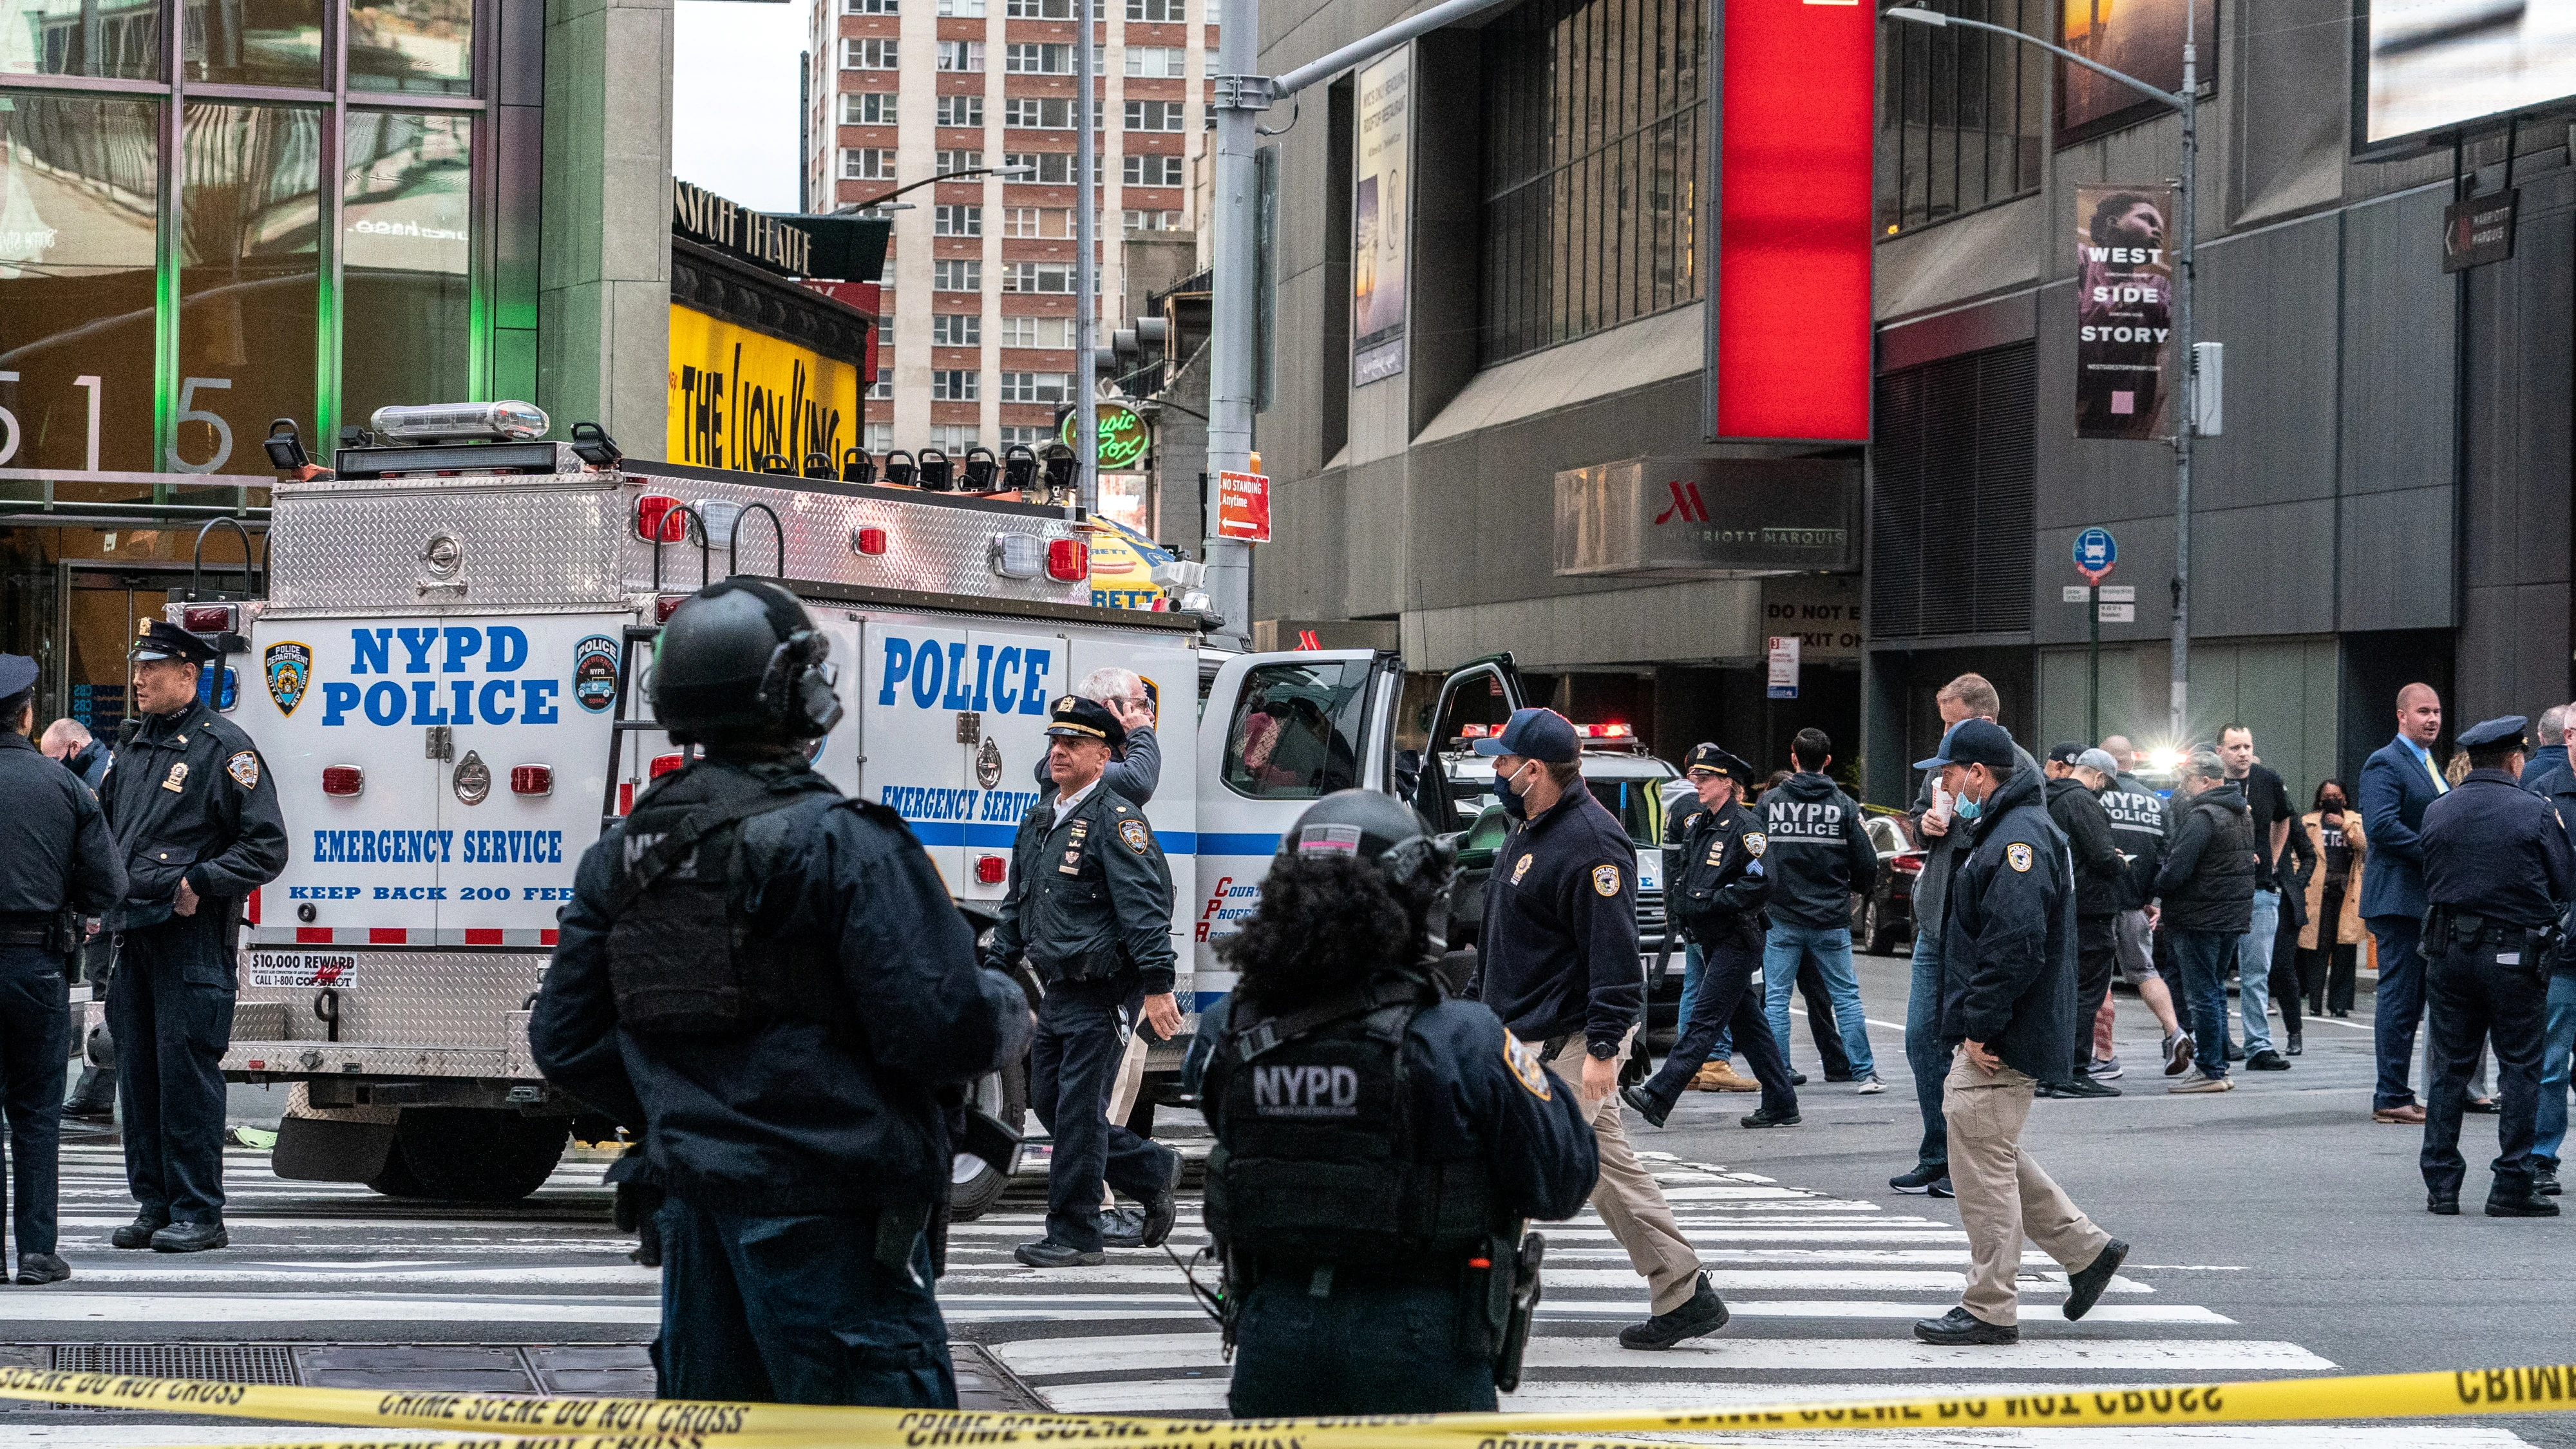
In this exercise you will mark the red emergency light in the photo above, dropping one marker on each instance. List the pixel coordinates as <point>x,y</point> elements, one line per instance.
<point>1605,731</point>
<point>532,779</point>
<point>869,541</point>
<point>1474,731</point>
<point>208,618</point>
<point>343,780</point>
<point>990,869</point>
<point>662,765</point>
<point>656,518</point>
<point>1068,560</point>
<point>663,606</point>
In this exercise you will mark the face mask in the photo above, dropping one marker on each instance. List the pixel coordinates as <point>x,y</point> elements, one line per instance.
<point>1967,808</point>
<point>1513,805</point>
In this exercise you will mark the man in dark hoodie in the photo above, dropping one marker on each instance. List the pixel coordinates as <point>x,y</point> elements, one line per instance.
<point>2207,886</point>
<point>1817,855</point>
<point>2008,1010</point>
<point>2076,809</point>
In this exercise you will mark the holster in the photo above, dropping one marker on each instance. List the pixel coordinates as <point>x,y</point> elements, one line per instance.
<point>1521,1312</point>
<point>988,1137</point>
<point>2439,923</point>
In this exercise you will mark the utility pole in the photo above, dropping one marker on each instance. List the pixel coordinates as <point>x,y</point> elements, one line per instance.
<point>1086,262</point>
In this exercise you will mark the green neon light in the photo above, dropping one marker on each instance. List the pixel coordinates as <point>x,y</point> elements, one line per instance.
<point>1123,436</point>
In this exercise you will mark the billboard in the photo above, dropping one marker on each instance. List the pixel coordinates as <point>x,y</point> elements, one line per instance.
<point>1378,216</point>
<point>2142,38</point>
<point>2423,67</point>
<point>738,396</point>
<point>2123,311</point>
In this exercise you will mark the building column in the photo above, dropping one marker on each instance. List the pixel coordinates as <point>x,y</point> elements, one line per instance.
<point>604,299</point>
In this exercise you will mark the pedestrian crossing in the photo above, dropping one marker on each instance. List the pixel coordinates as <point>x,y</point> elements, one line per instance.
<point>1823,1291</point>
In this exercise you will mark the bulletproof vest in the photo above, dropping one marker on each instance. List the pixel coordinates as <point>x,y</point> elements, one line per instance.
<point>1314,1160</point>
<point>680,957</point>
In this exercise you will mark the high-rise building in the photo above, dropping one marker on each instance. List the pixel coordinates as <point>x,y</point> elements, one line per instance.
<point>979,302</point>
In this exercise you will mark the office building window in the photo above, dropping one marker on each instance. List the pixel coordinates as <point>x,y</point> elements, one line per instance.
<point>1039,9</point>
<point>956,274</point>
<point>1032,58</point>
<point>1029,221</point>
<point>884,388</point>
<point>961,9</point>
<point>1156,11</point>
<point>1037,387</point>
<point>1168,62</point>
<point>1044,113</point>
<point>1153,221</point>
<point>1958,113</point>
<point>953,438</point>
<point>949,163</point>
<point>957,329</point>
<point>961,55</point>
<point>1038,331</point>
<point>947,220</point>
<point>880,436</point>
<point>1026,436</point>
<point>867,163</point>
<point>870,55</point>
<point>1037,276</point>
<point>1153,170</point>
<point>954,384</point>
<point>1153,115</point>
<point>1593,116</point>
<point>867,108</point>
<point>961,111</point>
<point>1954,476</point>
<point>871,7</point>
<point>1046,168</point>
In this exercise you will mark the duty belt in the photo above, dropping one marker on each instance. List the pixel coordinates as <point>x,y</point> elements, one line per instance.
<point>27,935</point>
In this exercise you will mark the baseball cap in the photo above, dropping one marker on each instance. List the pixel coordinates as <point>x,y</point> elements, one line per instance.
<point>1534,734</point>
<point>2066,753</point>
<point>2098,760</point>
<point>1972,742</point>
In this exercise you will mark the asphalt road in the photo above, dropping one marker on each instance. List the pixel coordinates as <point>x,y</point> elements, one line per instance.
<point>2302,1218</point>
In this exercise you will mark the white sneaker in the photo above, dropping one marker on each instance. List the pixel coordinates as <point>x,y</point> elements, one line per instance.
<point>1870,1085</point>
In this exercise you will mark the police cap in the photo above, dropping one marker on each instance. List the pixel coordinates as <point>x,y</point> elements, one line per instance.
<point>2487,734</point>
<point>161,639</point>
<point>17,674</point>
<point>2068,753</point>
<point>1075,717</point>
<point>1707,756</point>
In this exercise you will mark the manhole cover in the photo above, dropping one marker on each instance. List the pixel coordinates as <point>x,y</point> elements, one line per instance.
<point>238,1363</point>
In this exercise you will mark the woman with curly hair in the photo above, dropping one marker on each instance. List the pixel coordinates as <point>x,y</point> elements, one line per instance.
<point>1379,1146</point>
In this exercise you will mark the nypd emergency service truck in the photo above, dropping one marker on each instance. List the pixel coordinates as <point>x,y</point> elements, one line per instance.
<point>446,678</point>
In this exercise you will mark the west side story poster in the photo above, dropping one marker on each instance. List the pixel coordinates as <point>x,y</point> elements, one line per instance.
<point>2123,311</point>
<point>1378,219</point>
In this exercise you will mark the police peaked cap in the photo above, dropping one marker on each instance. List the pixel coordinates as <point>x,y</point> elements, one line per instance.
<point>17,674</point>
<point>2487,734</point>
<point>1370,825</point>
<point>161,639</point>
<point>1075,717</point>
<point>1705,756</point>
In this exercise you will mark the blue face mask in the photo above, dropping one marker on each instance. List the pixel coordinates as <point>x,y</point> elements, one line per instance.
<point>1513,806</point>
<point>1967,809</point>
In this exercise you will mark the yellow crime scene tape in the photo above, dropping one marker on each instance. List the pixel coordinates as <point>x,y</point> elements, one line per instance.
<point>492,1421</point>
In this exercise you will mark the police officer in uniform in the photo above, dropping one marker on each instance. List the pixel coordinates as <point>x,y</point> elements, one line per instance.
<point>2498,873</point>
<point>56,865</point>
<point>1090,906</point>
<point>1378,1145</point>
<point>769,981</point>
<point>1715,898</point>
<point>195,816</point>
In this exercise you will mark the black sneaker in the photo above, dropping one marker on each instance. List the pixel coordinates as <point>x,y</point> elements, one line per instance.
<point>2267,1060</point>
<point>1959,1327</point>
<point>2298,1045</point>
<point>39,1268</point>
<point>1941,1188</point>
<point>1797,1079</point>
<point>2235,1053</point>
<point>2085,1087</point>
<point>1048,1253</point>
<point>138,1233</point>
<point>1761,1117</point>
<point>1704,1313</point>
<point>1920,1180</point>
<point>2442,1204</point>
<point>2085,1285</point>
<point>1162,1209</point>
<point>1644,1106</point>
<point>191,1238</point>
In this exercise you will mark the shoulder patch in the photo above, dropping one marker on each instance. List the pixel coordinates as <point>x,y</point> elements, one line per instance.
<point>1525,1067</point>
<point>243,766</point>
<point>1605,880</point>
<point>2017,855</point>
<point>1757,842</point>
<point>1138,838</point>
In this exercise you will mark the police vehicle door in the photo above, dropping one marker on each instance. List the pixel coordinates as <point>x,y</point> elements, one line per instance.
<point>1482,694</point>
<point>952,723</point>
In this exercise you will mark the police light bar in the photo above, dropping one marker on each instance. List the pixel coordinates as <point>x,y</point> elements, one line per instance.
<point>1605,731</point>
<point>1474,731</point>
<point>492,422</point>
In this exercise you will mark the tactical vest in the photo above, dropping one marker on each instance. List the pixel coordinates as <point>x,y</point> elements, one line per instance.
<point>680,958</point>
<point>1314,1160</point>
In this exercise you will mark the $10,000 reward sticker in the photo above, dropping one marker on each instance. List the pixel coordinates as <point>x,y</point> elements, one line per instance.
<point>292,969</point>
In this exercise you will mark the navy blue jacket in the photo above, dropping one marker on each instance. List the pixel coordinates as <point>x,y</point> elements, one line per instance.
<point>189,798</point>
<point>1558,950</point>
<point>55,853</point>
<point>794,1117</point>
<point>2493,850</point>
<point>1477,1093</point>
<point>2394,791</point>
<point>2545,763</point>
<point>2008,946</point>
<point>1817,854</point>
<point>1716,896</point>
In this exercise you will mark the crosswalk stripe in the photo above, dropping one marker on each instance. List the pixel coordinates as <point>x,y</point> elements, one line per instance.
<point>1041,1358</point>
<point>1817,1280</point>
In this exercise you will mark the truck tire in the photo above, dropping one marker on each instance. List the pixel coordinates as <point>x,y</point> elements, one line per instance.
<point>976,1184</point>
<point>471,1154</point>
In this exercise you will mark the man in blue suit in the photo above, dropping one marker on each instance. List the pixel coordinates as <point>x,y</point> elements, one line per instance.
<point>2396,785</point>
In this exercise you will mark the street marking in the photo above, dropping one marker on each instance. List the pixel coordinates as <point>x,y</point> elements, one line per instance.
<point>1050,1357</point>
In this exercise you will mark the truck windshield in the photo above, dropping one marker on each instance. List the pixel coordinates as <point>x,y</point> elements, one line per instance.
<point>1637,803</point>
<point>1296,730</point>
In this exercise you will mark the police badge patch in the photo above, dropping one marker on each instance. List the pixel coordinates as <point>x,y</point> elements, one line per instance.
<point>1525,1066</point>
<point>1138,838</point>
<point>243,766</point>
<point>289,667</point>
<point>1755,841</point>
<point>2017,855</point>
<point>1605,880</point>
<point>594,673</point>
<point>1522,869</point>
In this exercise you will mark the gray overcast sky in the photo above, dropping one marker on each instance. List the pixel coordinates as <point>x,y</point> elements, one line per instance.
<point>733,99</point>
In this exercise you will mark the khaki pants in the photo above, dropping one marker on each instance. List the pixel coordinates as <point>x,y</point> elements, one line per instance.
<point>2003,1194</point>
<point>1626,1196</point>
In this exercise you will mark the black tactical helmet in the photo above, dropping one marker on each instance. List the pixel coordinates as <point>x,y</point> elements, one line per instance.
<point>1372,826</point>
<point>742,660</point>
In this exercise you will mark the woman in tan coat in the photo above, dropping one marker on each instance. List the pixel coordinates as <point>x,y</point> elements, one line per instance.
<point>2327,961</point>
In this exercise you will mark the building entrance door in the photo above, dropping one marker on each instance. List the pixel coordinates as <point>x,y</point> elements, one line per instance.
<point>98,607</point>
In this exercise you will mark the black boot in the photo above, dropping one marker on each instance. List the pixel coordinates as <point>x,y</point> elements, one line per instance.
<point>1959,1327</point>
<point>1704,1313</point>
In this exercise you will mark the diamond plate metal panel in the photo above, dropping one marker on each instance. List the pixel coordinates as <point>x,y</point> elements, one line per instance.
<point>410,998</point>
<point>275,1058</point>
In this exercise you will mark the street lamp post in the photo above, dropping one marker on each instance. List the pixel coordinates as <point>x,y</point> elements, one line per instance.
<point>2185,102</point>
<point>1007,173</point>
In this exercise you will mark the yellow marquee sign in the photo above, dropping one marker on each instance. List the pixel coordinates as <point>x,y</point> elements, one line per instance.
<point>738,396</point>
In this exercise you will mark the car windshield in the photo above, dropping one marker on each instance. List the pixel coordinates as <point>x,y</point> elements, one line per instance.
<point>1637,803</point>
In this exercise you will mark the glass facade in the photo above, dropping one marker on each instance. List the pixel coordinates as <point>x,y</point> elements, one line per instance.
<point>1958,113</point>
<point>1596,113</point>
<point>285,215</point>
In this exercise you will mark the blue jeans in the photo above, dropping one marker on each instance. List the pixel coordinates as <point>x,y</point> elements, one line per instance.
<point>2400,1008</point>
<point>2557,1046</point>
<point>2254,971</point>
<point>2204,957</point>
<point>1695,966</point>
<point>1925,1055</point>
<point>1831,946</point>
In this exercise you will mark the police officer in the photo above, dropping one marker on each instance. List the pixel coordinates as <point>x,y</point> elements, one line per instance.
<point>769,981</point>
<point>1378,1145</point>
<point>195,816</point>
<point>1090,907</point>
<point>1715,898</point>
<point>2498,873</point>
<point>56,865</point>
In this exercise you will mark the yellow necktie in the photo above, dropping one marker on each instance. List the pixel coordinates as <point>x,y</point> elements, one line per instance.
<point>2440,785</point>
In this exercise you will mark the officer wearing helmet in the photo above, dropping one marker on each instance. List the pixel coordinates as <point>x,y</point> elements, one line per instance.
<point>770,983</point>
<point>1379,1146</point>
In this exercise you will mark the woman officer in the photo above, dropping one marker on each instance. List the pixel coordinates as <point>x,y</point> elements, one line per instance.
<point>1378,1145</point>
